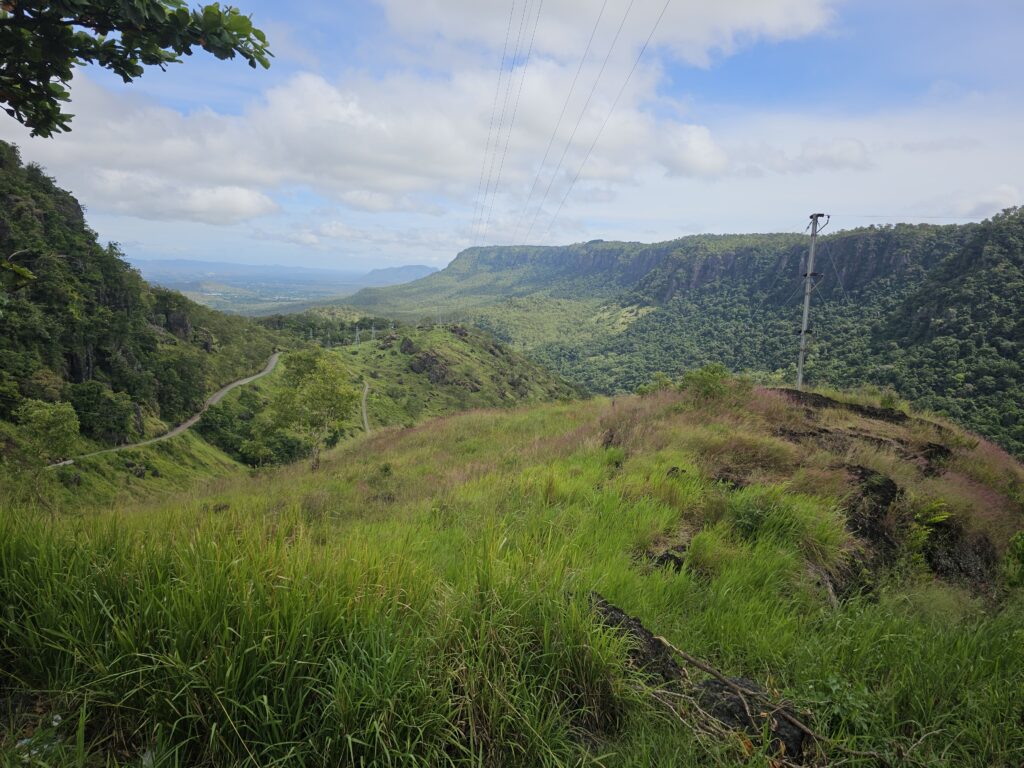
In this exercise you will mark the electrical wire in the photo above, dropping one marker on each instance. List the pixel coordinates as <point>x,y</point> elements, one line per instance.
<point>579,120</point>
<point>494,109</point>
<point>615,103</point>
<point>558,123</point>
<point>515,110</point>
<point>795,290</point>
<point>839,277</point>
<point>501,119</point>
<point>892,216</point>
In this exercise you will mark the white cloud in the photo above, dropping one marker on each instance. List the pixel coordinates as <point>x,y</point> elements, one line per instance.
<point>388,163</point>
<point>138,194</point>
<point>692,29</point>
<point>984,202</point>
<point>404,142</point>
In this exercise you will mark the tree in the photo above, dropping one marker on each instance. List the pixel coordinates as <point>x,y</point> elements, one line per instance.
<point>104,415</point>
<point>12,275</point>
<point>318,399</point>
<point>41,41</point>
<point>49,430</point>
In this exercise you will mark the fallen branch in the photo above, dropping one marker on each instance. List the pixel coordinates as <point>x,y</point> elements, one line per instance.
<point>742,693</point>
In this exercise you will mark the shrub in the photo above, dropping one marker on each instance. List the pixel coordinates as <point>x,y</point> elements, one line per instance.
<point>659,382</point>
<point>707,383</point>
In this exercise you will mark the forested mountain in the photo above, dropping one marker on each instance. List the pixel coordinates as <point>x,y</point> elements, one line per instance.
<point>934,312</point>
<point>87,330</point>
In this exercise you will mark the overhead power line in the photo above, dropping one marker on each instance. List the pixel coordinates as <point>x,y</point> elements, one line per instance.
<point>494,110</point>
<point>615,103</point>
<point>558,123</point>
<point>501,118</point>
<point>515,110</point>
<point>579,120</point>
<point>898,215</point>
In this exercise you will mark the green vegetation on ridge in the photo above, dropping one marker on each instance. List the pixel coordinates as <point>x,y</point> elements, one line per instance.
<point>413,373</point>
<point>934,312</point>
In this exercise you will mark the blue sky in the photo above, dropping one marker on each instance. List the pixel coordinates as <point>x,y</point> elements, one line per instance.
<point>365,143</point>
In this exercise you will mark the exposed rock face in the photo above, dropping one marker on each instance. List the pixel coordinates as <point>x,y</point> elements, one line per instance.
<point>868,517</point>
<point>179,324</point>
<point>673,557</point>
<point>961,556</point>
<point>814,400</point>
<point>435,366</point>
<point>647,654</point>
<point>725,704</point>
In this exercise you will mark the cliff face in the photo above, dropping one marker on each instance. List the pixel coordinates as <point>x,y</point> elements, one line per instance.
<point>931,311</point>
<point>849,261</point>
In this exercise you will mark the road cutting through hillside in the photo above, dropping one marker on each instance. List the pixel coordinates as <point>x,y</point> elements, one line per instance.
<point>215,398</point>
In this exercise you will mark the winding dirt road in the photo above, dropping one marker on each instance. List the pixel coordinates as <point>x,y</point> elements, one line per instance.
<point>215,398</point>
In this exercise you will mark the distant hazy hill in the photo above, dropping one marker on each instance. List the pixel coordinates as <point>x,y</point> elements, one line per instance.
<point>266,288</point>
<point>936,312</point>
<point>396,275</point>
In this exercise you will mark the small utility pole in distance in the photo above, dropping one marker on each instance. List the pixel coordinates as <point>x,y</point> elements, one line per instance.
<point>809,276</point>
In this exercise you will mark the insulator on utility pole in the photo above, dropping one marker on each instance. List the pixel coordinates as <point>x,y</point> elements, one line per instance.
<point>809,276</point>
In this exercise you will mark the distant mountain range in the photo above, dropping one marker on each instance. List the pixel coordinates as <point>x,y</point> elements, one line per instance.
<point>259,289</point>
<point>934,312</point>
<point>190,270</point>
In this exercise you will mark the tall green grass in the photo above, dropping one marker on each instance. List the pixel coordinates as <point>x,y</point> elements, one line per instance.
<point>424,600</point>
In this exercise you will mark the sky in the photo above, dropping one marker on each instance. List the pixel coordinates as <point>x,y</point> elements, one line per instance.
<point>404,131</point>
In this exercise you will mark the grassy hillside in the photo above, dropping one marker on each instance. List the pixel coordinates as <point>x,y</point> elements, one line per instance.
<point>80,326</point>
<point>412,373</point>
<point>415,373</point>
<point>430,597</point>
<point>934,312</point>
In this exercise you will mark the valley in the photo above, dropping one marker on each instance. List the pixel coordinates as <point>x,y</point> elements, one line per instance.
<point>250,289</point>
<point>547,506</point>
<point>930,313</point>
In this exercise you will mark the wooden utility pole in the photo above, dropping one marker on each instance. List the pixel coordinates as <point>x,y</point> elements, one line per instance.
<point>809,276</point>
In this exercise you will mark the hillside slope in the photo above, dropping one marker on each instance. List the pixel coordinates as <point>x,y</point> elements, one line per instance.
<point>932,311</point>
<point>490,588</point>
<point>131,359</point>
<point>412,374</point>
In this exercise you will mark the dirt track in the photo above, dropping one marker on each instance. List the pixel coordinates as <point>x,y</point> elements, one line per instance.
<point>215,398</point>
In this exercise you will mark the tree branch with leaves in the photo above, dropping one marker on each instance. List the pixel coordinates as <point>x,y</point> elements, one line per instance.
<point>41,42</point>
